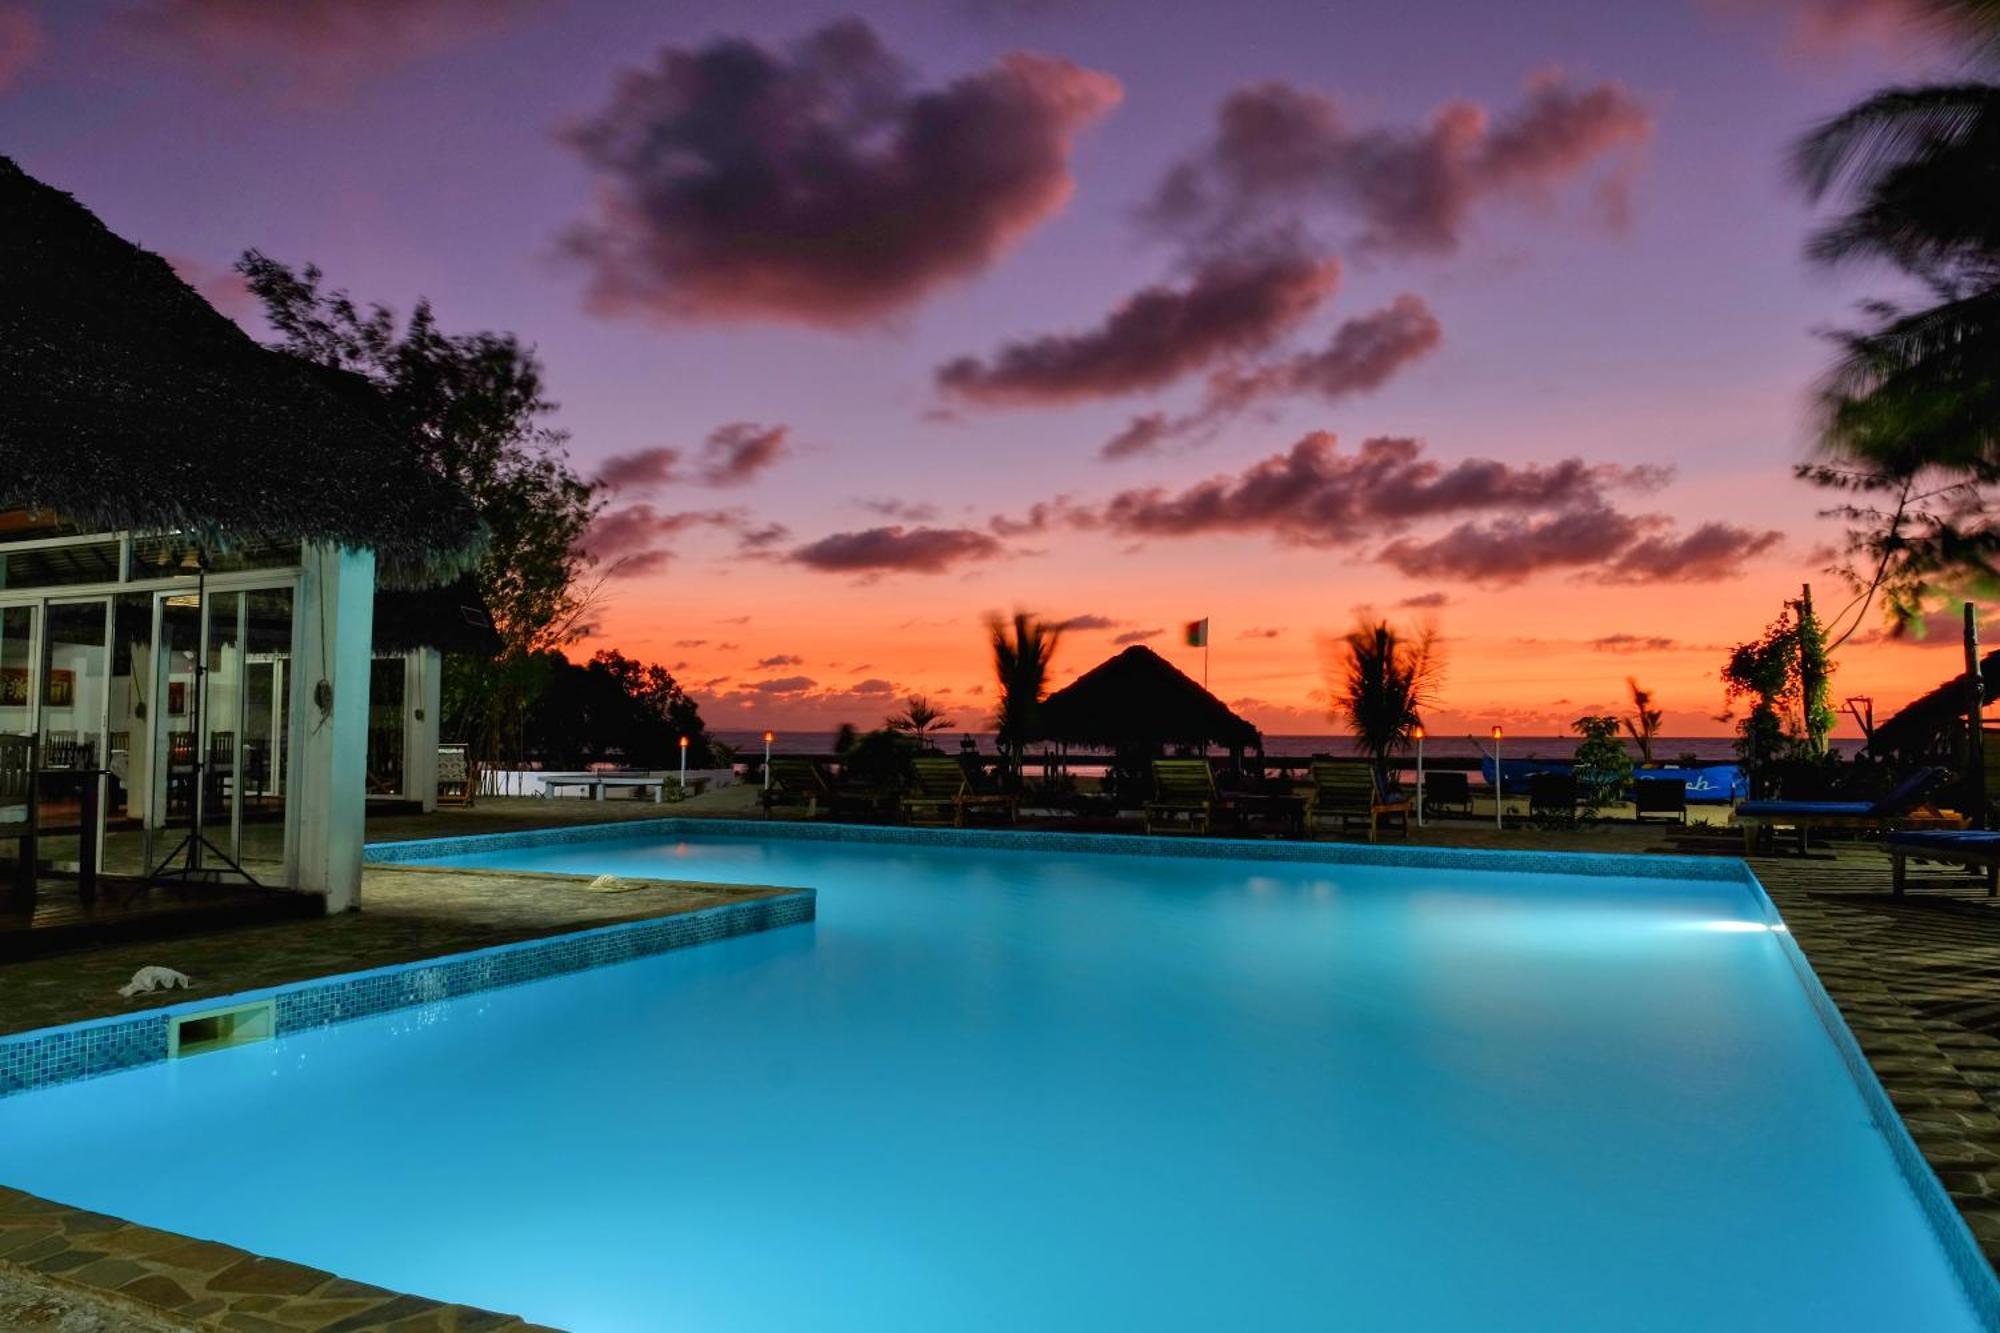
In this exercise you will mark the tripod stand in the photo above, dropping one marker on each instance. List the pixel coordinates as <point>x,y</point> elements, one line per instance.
<point>189,852</point>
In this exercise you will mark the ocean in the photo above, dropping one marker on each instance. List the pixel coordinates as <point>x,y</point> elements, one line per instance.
<point>1707,749</point>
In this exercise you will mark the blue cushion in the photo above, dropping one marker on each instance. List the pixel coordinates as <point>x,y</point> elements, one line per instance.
<point>1806,808</point>
<point>1946,840</point>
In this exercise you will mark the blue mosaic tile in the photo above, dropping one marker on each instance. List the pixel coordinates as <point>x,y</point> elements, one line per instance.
<point>49,1056</point>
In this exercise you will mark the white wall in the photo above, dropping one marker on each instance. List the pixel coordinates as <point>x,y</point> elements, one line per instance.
<point>333,624</point>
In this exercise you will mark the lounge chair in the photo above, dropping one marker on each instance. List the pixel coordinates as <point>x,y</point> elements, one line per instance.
<point>1184,797</point>
<point>1447,792</point>
<point>1660,796</point>
<point>19,819</point>
<point>1552,796</point>
<point>1906,806</point>
<point>1971,848</point>
<point>796,782</point>
<point>945,794</point>
<point>1352,793</point>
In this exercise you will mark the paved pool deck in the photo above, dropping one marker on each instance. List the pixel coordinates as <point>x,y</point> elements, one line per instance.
<point>1917,979</point>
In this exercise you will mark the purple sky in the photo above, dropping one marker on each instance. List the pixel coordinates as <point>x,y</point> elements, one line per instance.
<point>834,452</point>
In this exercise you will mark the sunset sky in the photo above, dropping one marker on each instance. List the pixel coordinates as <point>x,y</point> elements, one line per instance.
<point>883,316</point>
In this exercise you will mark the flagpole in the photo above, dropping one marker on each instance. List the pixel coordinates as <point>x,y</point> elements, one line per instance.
<point>1207,633</point>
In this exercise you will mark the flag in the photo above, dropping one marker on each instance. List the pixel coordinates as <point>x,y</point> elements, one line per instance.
<point>1197,633</point>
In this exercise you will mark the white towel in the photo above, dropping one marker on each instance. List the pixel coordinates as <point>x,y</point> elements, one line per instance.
<point>149,979</point>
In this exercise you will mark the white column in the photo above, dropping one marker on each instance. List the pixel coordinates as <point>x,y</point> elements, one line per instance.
<point>423,694</point>
<point>336,621</point>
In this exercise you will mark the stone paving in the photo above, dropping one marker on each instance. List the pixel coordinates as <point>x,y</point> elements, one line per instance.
<point>101,1272</point>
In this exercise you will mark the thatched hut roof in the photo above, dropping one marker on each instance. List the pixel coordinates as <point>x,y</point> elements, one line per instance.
<point>129,403</point>
<point>451,619</point>
<point>1919,725</point>
<point>1139,699</point>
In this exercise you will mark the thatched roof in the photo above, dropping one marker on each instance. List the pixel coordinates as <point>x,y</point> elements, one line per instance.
<point>129,403</point>
<point>1917,725</point>
<point>451,619</point>
<point>1139,699</point>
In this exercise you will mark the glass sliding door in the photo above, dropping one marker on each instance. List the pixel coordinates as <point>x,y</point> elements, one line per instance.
<point>220,711</point>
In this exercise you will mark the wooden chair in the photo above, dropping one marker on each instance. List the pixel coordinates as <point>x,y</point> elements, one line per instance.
<point>1184,797</point>
<point>945,794</point>
<point>457,779</point>
<point>20,820</point>
<point>1351,793</point>
<point>796,782</point>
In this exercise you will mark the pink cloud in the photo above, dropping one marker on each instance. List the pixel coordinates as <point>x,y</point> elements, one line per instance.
<point>315,48</point>
<point>1363,354</point>
<point>1233,303</point>
<point>897,549</point>
<point>1280,151</point>
<point>816,186</point>
<point>730,456</point>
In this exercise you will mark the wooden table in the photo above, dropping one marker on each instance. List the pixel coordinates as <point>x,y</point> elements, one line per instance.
<point>89,817</point>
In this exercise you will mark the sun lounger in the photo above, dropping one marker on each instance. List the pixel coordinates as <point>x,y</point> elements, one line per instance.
<point>1184,797</point>
<point>1904,807</point>
<point>1971,848</point>
<point>1652,797</point>
<point>1447,792</point>
<point>796,782</point>
<point>945,794</point>
<point>1552,796</point>
<point>1352,794</point>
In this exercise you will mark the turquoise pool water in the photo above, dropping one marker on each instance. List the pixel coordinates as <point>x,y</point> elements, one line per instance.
<point>1014,1090</point>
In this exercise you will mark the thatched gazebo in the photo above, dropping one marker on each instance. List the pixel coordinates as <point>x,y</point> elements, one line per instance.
<point>1931,727</point>
<point>150,449</point>
<point>1138,704</point>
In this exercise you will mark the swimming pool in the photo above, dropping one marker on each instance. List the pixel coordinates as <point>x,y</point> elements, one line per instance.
<point>1052,1089</point>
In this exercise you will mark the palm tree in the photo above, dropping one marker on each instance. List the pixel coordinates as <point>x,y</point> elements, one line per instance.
<point>1382,683</point>
<point>1909,413</point>
<point>1022,651</point>
<point>1644,724</point>
<point>920,719</point>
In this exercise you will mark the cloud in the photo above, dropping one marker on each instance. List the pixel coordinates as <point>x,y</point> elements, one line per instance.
<point>910,511</point>
<point>1633,643</point>
<point>642,469</point>
<point>1362,355</point>
<point>1509,550</point>
<point>1425,601</point>
<point>1136,636</point>
<point>897,549</point>
<point>1232,304</point>
<point>781,660</point>
<point>731,455</point>
<point>314,49</point>
<point>1089,622</point>
<point>1260,634</point>
<point>1711,551</point>
<point>1280,152</point>
<point>736,453</point>
<point>782,685</point>
<point>1314,494</point>
<point>814,185</point>
<point>630,540</point>
<point>22,40</point>
<point>1816,28</point>
<point>222,288</point>
<point>1594,540</point>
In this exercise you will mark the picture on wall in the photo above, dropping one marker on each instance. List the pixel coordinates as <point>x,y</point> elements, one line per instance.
<point>13,687</point>
<point>177,698</point>
<point>60,692</point>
